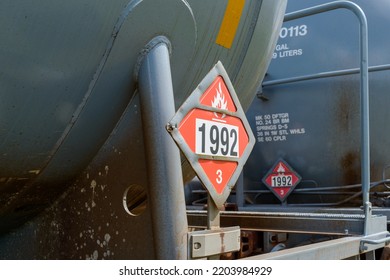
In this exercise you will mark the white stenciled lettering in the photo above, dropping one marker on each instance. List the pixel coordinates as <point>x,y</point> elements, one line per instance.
<point>275,128</point>
<point>281,47</point>
<point>219,176</point>
<point>282,50</point>
<point>297,131</point>
<point>287,53</point>
<point>293,31</point>
<point>291,53</point>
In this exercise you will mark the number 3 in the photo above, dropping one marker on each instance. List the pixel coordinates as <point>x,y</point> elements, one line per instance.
<point>219,178</point>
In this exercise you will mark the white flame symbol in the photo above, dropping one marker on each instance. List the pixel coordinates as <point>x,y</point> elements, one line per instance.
<point>281,168</point>
<point>219,100</point>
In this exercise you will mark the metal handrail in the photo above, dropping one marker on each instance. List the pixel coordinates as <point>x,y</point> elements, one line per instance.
<point>377,241</point>
<point>322,75</point>
<point>364,91</point>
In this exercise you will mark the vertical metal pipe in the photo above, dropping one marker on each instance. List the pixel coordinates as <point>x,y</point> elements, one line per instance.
<point>213,220</point>
<point>166,192</point>
<point>240,198</point>
<point>213,214</point>
<point>365,118</point>
<point>364,93</point>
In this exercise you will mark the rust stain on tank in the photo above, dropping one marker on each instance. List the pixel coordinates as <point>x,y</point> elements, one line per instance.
<point>347,108</point>
<point>343,115</point>
<point>350,164</point>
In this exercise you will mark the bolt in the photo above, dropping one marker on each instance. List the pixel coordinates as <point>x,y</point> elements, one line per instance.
<point>197,245</point>
<point>170,127</point>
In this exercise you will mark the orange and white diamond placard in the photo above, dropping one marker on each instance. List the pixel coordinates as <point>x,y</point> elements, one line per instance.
<point>213,133</point>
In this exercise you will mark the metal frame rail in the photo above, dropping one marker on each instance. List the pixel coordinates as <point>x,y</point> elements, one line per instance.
<point>346,227</point>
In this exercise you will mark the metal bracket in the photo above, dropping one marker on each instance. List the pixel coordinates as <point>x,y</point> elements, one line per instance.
<point>213,242</point>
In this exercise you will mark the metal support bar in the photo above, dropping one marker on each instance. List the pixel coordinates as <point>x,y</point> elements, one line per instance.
<point>364,90</point>
<point>240,197</point>
<point>213,221</point>
<point>214,241</point>
<point>213,214</point>
<point>372,242</point>
<point>337,224</point>
<point>341,248</point>
<point>166,192</point>
<point>384,239</point>
<point>377,211</point>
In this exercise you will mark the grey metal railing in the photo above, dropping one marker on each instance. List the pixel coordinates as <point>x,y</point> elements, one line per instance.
<point>364,89</point>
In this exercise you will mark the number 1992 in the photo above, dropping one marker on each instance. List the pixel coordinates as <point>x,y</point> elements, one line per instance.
<point>216,139</point>
<point>281,181</point>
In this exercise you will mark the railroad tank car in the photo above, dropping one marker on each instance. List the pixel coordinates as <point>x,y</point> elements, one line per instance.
<point>303,182</point>
<point>308,124</point>
<point>314,122</point>
<point>72,147</point>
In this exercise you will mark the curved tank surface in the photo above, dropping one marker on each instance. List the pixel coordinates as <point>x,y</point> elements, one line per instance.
<point>314,124</point>
<point>71,132</point>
